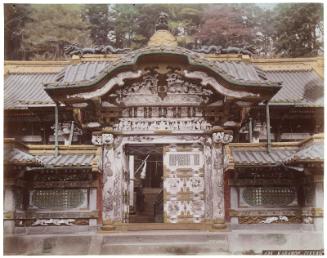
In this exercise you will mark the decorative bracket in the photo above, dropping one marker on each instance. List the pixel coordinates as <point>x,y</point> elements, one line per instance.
<point>104,139</point>
<point>222,137</point>
<point>207,80</point>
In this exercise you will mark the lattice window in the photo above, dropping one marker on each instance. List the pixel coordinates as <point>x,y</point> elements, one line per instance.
<point>184,160</point>
<point>269,196</point>
<point>58,199</point>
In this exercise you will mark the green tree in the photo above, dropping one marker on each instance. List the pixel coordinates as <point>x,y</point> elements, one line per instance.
<point>98,17</point>
<point>296,29</point>
<point>51,27</point>
<point>226,25</point>
<point>15,16</point>
<point>125,23</point>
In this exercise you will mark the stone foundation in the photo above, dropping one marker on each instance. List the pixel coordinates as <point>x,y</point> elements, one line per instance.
<point>251,240</point>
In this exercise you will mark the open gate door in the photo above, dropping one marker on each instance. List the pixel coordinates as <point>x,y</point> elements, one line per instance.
<point>183,184</point>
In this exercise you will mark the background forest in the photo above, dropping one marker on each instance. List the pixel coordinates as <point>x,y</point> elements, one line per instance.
<point>38,32</point>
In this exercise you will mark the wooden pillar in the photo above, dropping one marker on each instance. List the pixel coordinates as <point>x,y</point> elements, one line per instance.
<point>250,130</point>
<point>131,184</point>
<point>268,127</point>
<point>219,139</point>
<point>56,130</point>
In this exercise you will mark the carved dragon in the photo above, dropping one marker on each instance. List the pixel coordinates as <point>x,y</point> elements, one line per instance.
<point>212,49</point>
<point>74,49</point>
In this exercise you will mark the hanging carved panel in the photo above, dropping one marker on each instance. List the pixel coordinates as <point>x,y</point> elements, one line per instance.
<point>156,87</point>
<point>183,185</point>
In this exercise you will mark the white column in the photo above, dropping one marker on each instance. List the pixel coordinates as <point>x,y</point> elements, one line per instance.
<point>234,203</point>
<point>131,184</point>
<point>9,210</point>
<point>318,200</point>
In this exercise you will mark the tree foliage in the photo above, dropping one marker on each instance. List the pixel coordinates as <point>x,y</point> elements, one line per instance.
<point>100,23</point>
<point>296,29</point>
<point>15,17</point>
<point>51,27</point>
<point>41,31</point>
<point>226,25</point>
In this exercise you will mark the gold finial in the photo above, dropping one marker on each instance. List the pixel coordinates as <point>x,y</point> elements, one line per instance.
<point>162,36</point>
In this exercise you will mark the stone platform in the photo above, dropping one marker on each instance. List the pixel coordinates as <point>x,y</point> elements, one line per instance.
<point>240,241</point>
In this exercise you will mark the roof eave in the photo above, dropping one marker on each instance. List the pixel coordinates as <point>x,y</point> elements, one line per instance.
<point>198,61</point>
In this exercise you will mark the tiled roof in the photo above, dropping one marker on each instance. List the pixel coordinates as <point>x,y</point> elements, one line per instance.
<point>194,58</point>
<point>22,89</point>
<point>16,156</point>
<point>87,71</point>
<point>299,87</point>
<point>260,156</point>
<point>81,72</point>
<point>67,160</point>
<point>311,152</point>
<point>311,149</point>
<point>242,71</point>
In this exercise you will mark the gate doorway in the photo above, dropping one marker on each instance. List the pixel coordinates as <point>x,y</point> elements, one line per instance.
<point>146,183</point>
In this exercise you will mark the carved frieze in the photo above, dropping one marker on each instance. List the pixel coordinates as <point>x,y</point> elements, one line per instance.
<point>56,222</point>
<point>171,124</point>
<point>270,220</point>
<point>155,88</point>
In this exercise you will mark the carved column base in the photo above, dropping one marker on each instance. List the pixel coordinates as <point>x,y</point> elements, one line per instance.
<point>108,227</point>
<point>219,226</point>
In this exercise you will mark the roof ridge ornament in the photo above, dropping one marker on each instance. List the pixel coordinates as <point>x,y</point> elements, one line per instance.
<point>162,23</point>
<point>162,36</point>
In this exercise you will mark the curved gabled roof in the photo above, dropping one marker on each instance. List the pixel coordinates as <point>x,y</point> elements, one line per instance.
<point>242,74</point>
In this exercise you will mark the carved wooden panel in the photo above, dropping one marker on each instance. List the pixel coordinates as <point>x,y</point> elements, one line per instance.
<point>58,198</point>
<point>268,196</point>
<point>183,185</point>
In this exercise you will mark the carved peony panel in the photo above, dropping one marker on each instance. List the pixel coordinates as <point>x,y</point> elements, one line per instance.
<point>183,185</point>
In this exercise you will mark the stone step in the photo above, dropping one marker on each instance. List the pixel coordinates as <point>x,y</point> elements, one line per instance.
<point>184,236</point>
<point>166,242</point>
<point>162,249</point>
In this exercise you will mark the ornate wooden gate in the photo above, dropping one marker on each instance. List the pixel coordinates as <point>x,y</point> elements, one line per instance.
<point>183,184</point>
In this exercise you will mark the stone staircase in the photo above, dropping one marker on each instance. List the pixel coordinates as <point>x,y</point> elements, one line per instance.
<point>165,242</point>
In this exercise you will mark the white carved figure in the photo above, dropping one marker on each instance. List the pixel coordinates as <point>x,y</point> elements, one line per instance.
<point>96,139</point>
<point>107,138</point>
<point>283,218</point>
<point>221,137</point>
<point>227,138</point>
<point>307,220</point>
<point>269,220</point>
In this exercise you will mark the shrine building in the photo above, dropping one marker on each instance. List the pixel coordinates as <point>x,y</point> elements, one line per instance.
<point>164,138</point>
